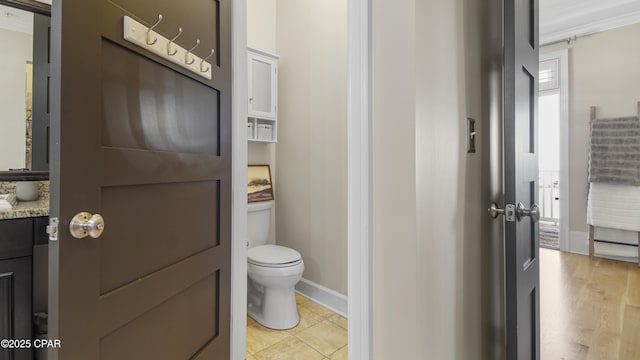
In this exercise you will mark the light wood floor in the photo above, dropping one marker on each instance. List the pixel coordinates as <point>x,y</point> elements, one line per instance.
<point>588,309</point>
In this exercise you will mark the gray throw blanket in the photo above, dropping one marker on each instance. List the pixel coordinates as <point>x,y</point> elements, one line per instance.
<point>614,155</point>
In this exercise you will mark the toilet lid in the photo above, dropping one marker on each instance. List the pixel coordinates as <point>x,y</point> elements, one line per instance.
<point>273,255</point>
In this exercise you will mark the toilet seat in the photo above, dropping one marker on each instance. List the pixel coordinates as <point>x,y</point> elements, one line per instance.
<point>273,256</point>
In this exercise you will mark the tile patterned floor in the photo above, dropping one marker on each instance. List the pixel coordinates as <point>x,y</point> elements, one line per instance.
<point>321,334</point>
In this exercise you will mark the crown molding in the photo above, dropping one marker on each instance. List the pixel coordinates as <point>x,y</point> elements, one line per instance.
<point>586,19</point>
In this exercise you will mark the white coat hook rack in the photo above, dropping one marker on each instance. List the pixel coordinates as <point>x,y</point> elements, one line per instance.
<point>150,40</point>
<point>202,62</point>
<point>150,30</point>
<point>190,60</point>
<point>175,51</point>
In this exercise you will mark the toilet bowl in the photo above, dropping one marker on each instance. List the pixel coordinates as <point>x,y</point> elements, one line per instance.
<point>273,271</point>
<point>272,279</point>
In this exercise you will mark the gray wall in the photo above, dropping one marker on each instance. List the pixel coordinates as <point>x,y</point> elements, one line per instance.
<point>395,254</point>
<point>482,294</point>
<point>604,71</point>
<point>441,167</point>
<point>437,255</point>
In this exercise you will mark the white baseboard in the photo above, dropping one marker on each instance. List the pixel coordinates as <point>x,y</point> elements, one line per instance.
<point>579,242</point>
<point>326,297</point>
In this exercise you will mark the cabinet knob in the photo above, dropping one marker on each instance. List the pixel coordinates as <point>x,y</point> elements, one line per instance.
<point>250,99</point>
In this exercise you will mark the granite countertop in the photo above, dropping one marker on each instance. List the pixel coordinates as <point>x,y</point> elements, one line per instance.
<point>26,209</point>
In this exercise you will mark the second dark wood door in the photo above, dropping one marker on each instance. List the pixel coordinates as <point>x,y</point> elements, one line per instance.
<point>522,265</point>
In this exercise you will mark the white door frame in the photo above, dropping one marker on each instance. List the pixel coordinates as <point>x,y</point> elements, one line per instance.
<point>359,244</point>
<point>359,190</point>
<point>239,163</point>
<point>563,91</point>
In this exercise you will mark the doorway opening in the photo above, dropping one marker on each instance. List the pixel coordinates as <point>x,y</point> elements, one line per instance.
<point>552,142</point>
<point>599,44</point>
<point>297,124</point>
<point>548,161</point>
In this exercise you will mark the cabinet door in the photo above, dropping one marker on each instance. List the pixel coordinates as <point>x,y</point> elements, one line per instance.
<point>15,305</point>
<point>16,237</point>
<point>262,86</point>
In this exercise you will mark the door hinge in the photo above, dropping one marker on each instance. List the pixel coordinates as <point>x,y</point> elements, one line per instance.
<point>52,229</point>
<point>510,212</point>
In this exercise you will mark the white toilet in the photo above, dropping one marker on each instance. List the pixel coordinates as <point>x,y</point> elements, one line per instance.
<point>273,272</point>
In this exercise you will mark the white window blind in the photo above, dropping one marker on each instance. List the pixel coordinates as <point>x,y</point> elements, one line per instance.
<point>548,75</point>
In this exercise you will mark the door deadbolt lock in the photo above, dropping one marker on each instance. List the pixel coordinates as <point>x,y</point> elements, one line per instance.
<point>86,224</point>
<point>494,210</point>
<point>509,211</point>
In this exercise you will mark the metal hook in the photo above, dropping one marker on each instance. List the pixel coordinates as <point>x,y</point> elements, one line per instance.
<point>149,41</point>
<point>205,59</point>
<point>186,56</point>
<point>175,51</point>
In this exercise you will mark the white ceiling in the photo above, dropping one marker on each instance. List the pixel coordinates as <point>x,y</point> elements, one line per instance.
<point>559,19</point>
<point>564,19</point>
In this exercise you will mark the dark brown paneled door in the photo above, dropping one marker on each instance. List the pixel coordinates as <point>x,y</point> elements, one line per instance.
<point>146,144</point>
<point>521,178</point>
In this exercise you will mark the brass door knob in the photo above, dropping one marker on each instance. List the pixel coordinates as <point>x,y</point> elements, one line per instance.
<point>86,224</point>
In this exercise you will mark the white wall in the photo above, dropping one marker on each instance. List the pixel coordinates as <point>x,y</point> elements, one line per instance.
<point>17,51</point>
<point>312,137</point>
<point>261,25</point>
<point>604,71</point>
<point>310,180</point>
<point>261,35</point>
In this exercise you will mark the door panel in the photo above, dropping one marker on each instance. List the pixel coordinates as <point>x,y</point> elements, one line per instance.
<point>521,174</point>
<point>526,86</point>
<point>146,144</point>
<point>125,249</point>
<point>175,329</point>
<point>123,306</point>
<point>142,99</point>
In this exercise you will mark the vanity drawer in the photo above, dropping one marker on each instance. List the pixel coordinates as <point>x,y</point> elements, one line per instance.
<point>16,238</point>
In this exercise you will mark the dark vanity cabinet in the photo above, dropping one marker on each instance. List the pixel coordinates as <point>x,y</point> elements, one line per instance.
<point>17,238</point>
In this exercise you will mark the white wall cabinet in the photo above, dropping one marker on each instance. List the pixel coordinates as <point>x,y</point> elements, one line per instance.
<point>263,96</point>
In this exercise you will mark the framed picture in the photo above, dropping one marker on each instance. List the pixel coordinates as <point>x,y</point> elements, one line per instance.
<point>259,183</point>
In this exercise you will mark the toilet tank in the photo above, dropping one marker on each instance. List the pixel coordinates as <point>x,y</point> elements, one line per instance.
<point>258,222</point>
